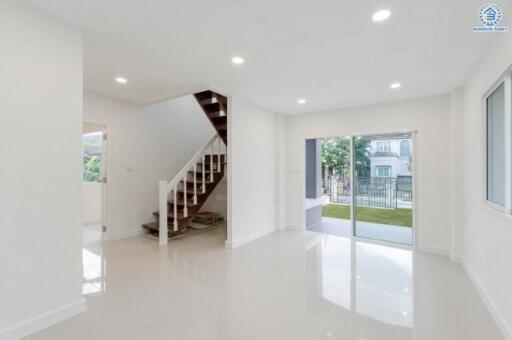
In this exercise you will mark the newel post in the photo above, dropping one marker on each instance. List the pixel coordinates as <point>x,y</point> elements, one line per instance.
<point>162,219</point>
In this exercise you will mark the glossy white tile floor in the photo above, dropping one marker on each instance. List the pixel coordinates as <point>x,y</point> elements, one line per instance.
<point>289,285</point>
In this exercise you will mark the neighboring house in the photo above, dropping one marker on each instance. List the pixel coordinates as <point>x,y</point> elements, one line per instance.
<point>390,158</point>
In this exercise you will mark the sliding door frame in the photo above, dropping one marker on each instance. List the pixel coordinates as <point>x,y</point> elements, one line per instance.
<point>415,223</point>
<point>353,214</point>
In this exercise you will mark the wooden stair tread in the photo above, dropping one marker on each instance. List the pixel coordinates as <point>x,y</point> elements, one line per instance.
<point>191,192</point>
<point>207,172</point>
<point>219,120</point>
<point>181,202</point>
<point>170,214</point>
<point>204,95</point>
<point>154,227</point>
<point>213,107</point>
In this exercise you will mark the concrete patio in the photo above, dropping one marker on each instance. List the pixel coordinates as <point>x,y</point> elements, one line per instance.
<point>383,232</point>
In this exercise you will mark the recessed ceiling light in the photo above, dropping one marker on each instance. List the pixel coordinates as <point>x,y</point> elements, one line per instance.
<point>302,101</point>
<point>381,15</point>
<point>395,85</point>
<point>121,80</point>
<point>238,60</point>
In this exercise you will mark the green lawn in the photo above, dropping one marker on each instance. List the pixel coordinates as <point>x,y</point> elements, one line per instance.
<point>399,217</point>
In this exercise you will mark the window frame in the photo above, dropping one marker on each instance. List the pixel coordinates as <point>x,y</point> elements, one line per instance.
<point>408,148</point>
<point>384,146</point>
<point>506,80</point>
<point>377,167</point>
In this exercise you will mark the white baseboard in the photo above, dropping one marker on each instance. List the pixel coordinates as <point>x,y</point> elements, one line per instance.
<point>247,239</point>
<point>434,250</point>
<point>132,233</point>
<point>484,295</point>
<point>489,303</point>
<point>44,320</point>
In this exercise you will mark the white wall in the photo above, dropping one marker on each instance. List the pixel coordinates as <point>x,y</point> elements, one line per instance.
<point>487,234</point>
<point>457,168</point>
<point>217,201</point>
<point>429,116</point>
<point>252,173</point>
<point>144,145</point>
<point>91,205</point>
<point>41,170</point>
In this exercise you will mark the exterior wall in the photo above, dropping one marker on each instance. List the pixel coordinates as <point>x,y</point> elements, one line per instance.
<point>41,182</point>
<point>400,164</point>
<point>393,143</point>
<point>393,162</point>
<point>430,117</point>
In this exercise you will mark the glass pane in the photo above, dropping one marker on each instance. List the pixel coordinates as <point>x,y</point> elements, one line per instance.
<point>383,188</point>
<point>496,146</point>
<point>92,156</point>
<point>336,188</point>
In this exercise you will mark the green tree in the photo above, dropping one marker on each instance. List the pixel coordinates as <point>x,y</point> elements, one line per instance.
<point>92,169</point>
<point>362,157</point>
<point>336,156</point>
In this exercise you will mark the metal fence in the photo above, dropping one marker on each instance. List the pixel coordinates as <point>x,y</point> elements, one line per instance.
<point>381,192</point>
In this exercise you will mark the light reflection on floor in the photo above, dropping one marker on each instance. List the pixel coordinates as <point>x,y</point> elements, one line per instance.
<point>93,264</point>
<point>287,285</point>
<point>372,282</point>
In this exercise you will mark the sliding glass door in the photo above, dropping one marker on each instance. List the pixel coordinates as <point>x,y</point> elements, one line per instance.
<point>382,197</point>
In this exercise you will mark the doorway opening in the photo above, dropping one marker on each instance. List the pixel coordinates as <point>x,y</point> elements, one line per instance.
<point>94,206</point>
<point>361,186</point>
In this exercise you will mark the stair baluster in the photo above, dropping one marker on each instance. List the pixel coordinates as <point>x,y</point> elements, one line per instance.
<point>163,195</point>
<point>218,156</point>
<point>176,206</point>
<point>182,211</point>
<point>185,208</point>
<point>195,183</point>
<point>212,163</point>
<point>204,171</point>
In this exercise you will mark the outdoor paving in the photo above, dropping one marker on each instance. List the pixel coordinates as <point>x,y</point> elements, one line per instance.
<point>383,232</point>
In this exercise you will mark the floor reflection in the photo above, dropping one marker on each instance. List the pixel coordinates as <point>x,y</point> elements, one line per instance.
<point>371,286</point>
<point>93,263</point>
<point>289,285</point>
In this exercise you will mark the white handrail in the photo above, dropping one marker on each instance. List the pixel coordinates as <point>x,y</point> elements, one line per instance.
<point>190,164</point>
<point>165,188</point>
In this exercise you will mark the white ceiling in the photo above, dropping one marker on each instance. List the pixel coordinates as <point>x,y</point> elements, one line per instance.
<point>327,51</point>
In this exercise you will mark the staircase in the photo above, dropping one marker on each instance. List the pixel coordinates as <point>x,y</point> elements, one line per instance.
<point>181,198</point>
<point>215,107</point>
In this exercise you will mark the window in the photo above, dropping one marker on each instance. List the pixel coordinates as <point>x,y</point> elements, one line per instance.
<point>383,171</point>
<point>383,146</point>
<point>498,145</point>
<point>405,148</point>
